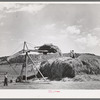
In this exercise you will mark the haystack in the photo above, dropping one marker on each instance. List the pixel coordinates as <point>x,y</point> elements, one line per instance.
<point>68,67</point>
<point>56,69</point>
<point>91,64</point>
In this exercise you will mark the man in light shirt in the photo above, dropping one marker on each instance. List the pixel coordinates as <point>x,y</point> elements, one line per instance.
<point>72,54</point>
<point>6,79</point>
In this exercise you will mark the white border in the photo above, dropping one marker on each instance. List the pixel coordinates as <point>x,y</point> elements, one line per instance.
<point>38,93</point>
<point>27,93</point>
<point>35,2</point>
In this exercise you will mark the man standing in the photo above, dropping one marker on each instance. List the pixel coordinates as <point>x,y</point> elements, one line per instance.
<point>72,54</point>
<point>6,79</point>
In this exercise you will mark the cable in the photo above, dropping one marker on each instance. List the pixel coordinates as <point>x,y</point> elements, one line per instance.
<point>30,44</point>
<point>17,48</point>
<point>11,67</point>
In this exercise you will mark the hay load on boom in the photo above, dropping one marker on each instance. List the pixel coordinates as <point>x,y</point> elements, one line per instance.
<point>49,48</point>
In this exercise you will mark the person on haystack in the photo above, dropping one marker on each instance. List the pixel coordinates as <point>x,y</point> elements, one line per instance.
<point>72,54</point>
<point>6,79</point>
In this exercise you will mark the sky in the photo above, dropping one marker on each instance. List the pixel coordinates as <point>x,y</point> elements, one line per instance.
<point>68,26</point>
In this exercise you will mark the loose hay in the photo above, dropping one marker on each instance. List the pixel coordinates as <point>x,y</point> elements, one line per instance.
<point>91,64</point>
<point>56,69</point>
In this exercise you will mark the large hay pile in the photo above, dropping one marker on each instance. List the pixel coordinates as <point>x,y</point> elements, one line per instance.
<point>56,69</point>
<point>91,64</point>
<point>59,68</point>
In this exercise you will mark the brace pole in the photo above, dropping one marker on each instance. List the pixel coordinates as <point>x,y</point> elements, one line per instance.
<point>37,68</point>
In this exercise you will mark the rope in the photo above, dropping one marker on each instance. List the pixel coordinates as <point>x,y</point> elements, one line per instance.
<point>29,57</point>
<point>17,48</point>
<point>30,44</point>
<point>37,68</point>
<point>12,67</point>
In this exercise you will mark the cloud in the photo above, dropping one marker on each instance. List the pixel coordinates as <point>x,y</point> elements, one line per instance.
<point>29,8</point>
<point>89,40</point>
<point>2,16</point>
<point>50,26</point>
<point>48,29</point>
<point>32,8</point>
<point>14,7</point>
<point>97,29</point>
<point>1,24</point>
<point>72,30</point>
<point>81,40</point>
<point>52,31</point>
<point>6,6</point>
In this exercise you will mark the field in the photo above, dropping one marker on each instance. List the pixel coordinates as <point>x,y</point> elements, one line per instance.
<point>86,67</point>
<point>41,84</point>
<point>78,82</point>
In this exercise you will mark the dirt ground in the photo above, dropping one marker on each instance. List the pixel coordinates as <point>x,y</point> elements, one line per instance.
<point>53,85</point>
<point>79,82</point>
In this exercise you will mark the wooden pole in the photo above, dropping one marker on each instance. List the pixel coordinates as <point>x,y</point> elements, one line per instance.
<point>26,61</point>
<point>24,46</point>
<point>36,67</point>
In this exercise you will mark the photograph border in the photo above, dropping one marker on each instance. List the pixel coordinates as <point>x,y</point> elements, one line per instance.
<point>7,94</point>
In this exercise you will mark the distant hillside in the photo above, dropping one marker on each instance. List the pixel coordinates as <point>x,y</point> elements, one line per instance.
<point>57,67</point>
<point>38,57</point>
<point>21,58</point>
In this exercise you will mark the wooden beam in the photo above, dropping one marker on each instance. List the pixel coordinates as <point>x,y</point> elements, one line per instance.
<point>26,63</point>
<point>37,68</point>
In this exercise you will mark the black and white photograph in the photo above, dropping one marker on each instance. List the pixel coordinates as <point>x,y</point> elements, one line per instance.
<point>49,46</point>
